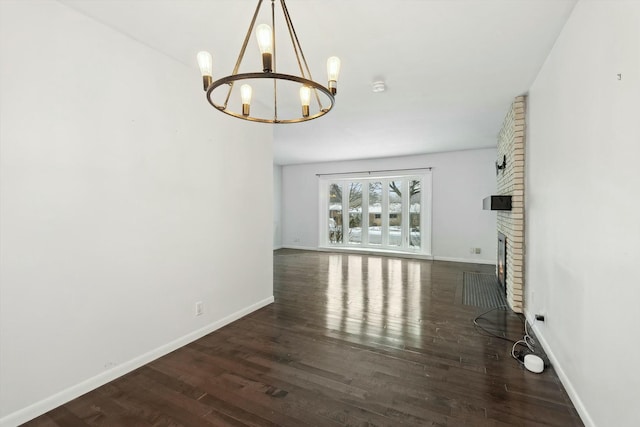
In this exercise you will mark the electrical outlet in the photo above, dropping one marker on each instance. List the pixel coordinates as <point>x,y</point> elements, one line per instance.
<point>472,250</point>
<point>478,250</point>
<point>199,308</point>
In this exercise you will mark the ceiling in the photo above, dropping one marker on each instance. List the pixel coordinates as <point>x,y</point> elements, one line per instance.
<point>451,67</point>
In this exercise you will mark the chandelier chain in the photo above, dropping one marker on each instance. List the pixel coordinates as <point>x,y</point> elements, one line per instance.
<point>275,70</point>
<point>242,51</point>
<point>294,35</point>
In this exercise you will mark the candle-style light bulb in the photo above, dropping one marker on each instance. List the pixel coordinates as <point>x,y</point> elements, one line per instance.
<point>205,62</point>
<point>305,99</point>
<point>265,43</point>
<point>333,70</point>
<point>245,94</point>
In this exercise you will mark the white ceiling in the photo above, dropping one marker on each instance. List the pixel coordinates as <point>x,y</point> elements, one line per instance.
<point>452,67</point>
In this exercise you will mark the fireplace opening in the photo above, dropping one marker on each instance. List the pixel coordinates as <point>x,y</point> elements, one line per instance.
<point>502,261</point>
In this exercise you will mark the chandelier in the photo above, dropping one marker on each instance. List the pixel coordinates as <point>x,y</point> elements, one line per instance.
<point>315,100</point>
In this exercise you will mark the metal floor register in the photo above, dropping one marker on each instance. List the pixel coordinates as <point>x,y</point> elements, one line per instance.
<point>482,290</point>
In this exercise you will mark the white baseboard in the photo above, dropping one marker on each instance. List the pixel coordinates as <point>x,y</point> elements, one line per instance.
<point>346,250</point>
<point>568,386</point>
<point>465,260</point>
<point>302,248</point>
<point>23,415</point>
<point>369,251</point>
<point>391,253</point>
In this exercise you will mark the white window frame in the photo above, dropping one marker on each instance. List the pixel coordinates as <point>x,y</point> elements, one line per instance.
<point>364,179</point>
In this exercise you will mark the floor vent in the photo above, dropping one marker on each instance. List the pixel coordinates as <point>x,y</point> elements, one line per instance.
<point>482,290</point>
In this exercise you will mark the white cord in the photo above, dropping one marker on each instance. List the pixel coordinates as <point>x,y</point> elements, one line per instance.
<point>527,341</point>
<point>526,332</point>
<point>513,351</point>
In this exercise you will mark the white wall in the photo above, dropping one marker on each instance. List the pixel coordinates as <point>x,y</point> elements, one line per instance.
<point>460,181</point>
<point>583,231</point>
<point>277,206</point>
<point>117,189</point>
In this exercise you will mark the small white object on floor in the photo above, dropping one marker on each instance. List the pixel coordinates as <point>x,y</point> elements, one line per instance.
<point>533,363</point>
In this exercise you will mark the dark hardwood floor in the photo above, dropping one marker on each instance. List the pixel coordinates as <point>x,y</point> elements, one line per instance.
<point>351,340</point>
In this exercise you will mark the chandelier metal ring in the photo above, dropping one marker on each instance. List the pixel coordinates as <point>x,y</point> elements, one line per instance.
<point>230,80</point>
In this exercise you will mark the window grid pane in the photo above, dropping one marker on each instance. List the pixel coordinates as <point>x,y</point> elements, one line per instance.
<point>395,213</point>
<point>355,213</point>
<point>415,206</point>
<point>375,213</point>
<point>335,213</point>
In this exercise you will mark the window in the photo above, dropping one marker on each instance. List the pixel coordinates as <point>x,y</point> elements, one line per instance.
<point>383,212</point>
<point>335,213</point>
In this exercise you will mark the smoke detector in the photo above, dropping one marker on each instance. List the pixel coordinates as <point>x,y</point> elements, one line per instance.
<point>378,86</point>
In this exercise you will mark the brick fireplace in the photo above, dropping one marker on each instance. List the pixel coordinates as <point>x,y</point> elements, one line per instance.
<point>510,181</point>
